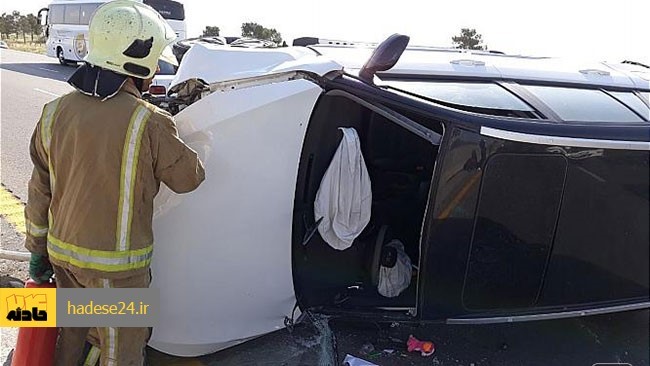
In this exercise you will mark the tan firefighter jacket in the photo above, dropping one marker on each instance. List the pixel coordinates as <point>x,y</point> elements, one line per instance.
<point>97,167</point>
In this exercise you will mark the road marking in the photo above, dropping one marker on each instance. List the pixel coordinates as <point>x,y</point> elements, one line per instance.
<point>12,209</point>
<point>46,69</point>
<point>47,92</point>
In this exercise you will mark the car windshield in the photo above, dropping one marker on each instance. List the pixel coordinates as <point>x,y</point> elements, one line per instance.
<point>166,68</point>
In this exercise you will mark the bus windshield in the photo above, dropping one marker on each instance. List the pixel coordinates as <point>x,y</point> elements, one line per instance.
<point>170,10</point>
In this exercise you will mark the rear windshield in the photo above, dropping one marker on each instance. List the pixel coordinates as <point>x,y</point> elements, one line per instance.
<point>633,101</point>
<point>170,10</point>
<point>588,105</point>
<point>645,96</point>
<point>476,95</point>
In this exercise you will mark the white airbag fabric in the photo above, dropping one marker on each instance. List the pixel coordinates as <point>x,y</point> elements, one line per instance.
<point>344,198</point>
<point>392,281</point>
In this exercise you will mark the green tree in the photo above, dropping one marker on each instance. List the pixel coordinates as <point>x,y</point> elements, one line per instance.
<point>24,27</point>
<point>211,31</point>
<point>4,26</point>
<point>34,25</point>
<point>8,24</point>
<point>254,30</point>
<point>468,39</point>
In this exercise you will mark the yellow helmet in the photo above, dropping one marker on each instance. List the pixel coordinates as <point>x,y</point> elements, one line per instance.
<point>128,37</point>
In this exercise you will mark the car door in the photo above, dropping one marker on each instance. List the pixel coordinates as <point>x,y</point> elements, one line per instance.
<point>537,219</point>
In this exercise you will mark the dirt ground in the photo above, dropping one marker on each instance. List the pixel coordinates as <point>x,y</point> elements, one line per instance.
<point>12,274</point>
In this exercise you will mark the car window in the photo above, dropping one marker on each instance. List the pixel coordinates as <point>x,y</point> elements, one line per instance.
<point>478,95</point>
<point>71,14</point>
<point>55,14</point>
<point>588,105</point>
<point>633,102</point>
<point>166,68</point>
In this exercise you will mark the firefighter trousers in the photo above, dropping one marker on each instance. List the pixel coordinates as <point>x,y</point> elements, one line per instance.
<point>119,346</point>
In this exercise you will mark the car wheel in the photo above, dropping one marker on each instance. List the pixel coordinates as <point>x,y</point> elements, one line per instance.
<point>60,56</point>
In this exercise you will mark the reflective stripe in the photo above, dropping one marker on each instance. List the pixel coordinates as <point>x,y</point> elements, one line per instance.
<point>111,336</point>
<point>130,157</point>
<point>102,260</point>
<point>52,176</point>
<point>111,346</point>
<point>46,124</point>
<point>93,356</point>
<point>37,231</point>
<point>50,220</point>
<point>47,121</point>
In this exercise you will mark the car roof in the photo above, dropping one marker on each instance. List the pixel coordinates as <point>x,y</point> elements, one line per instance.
<point>431,62</point>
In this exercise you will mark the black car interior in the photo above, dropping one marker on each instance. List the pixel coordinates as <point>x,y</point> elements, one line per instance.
<point>400,165</point>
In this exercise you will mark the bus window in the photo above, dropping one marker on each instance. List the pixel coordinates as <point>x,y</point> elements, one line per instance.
<point>170,10</point>
<point>86,13</point>
<point>55,14</point>
<point>71,14</point>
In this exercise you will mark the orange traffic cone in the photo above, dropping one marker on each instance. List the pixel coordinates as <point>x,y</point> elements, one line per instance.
<point>35,346</point>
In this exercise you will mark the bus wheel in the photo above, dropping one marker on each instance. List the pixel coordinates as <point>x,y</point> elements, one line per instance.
<point>59,55</point>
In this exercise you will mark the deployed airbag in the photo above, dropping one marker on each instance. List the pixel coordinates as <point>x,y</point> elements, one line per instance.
<point>344,198</point>
<point>397,278</point>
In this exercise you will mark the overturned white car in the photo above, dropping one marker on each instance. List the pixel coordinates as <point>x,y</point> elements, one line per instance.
<point>498,188</point>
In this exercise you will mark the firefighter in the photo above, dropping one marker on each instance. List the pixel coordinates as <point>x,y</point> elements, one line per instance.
<point>99,154</point>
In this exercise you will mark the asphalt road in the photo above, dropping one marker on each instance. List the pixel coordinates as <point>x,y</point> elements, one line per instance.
<point>27,81</point>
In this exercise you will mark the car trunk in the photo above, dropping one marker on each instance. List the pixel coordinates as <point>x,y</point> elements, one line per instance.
<point>400,165</point>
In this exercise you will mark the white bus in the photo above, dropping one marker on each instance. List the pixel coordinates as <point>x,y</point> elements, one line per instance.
<point>66,25</point>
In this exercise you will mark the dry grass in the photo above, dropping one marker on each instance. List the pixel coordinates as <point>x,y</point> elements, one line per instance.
<point>17,42</point>
<point>33,47</point>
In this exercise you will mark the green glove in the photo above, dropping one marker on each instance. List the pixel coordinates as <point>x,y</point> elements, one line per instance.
<point>40,268</point>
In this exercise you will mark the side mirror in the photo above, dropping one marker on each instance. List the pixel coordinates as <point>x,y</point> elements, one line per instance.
<point>384,57</point>
<point>42,20</point>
